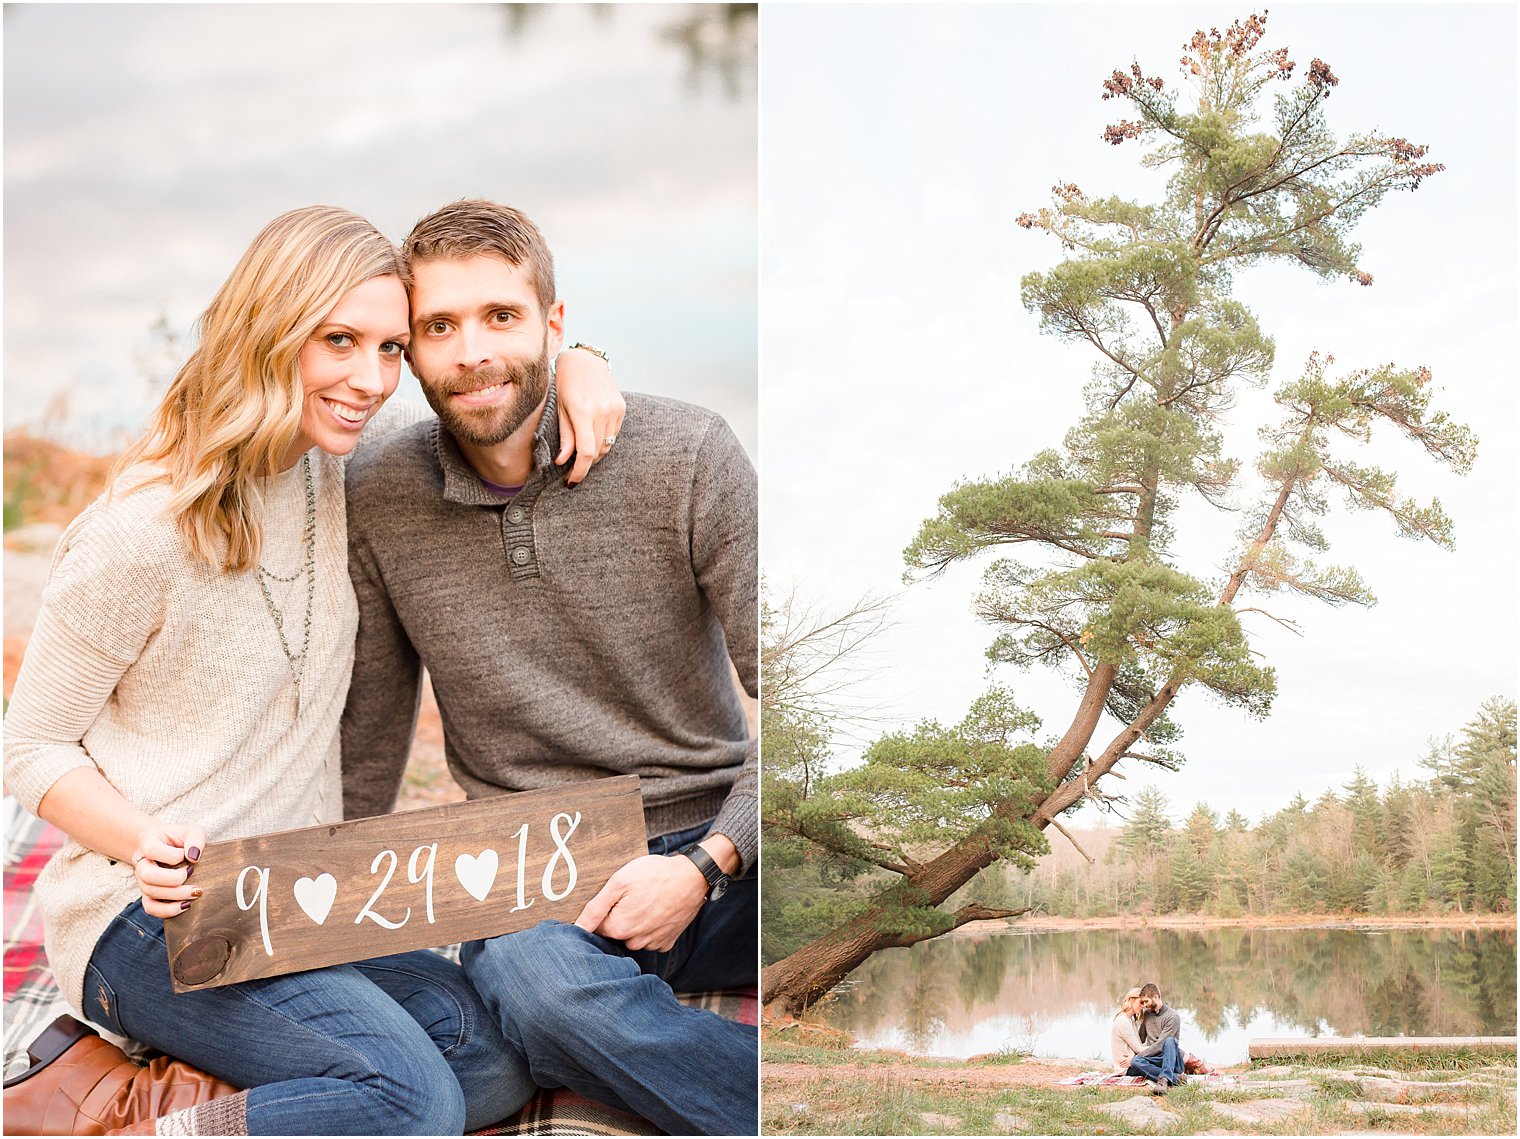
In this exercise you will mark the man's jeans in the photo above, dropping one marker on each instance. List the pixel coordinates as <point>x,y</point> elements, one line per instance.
<point>394,1046</point>
<point>590,1015</point>
<point>1167,1066</point>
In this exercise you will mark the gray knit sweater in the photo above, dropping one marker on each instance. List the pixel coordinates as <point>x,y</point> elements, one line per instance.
<point>570,633</point>
<point>1155,1027</point>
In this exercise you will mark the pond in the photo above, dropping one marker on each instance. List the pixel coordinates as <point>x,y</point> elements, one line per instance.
<point>1053,993</point>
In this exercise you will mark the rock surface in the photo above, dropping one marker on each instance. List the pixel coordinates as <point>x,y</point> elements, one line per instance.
<point>935,1119</point>
<point>1408,1108</point>
<point>1269,1111</point>
<point>1140,1112</point>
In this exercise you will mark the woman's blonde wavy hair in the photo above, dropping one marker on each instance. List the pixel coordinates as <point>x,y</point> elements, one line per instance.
<point>234,410</point>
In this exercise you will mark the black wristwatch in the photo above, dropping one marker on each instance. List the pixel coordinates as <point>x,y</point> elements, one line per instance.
<point>717,881</point>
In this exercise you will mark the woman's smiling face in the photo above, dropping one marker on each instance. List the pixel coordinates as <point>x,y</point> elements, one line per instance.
<point>350,365</point>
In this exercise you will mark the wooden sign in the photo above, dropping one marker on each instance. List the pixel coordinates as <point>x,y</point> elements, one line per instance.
<point>325,895</point>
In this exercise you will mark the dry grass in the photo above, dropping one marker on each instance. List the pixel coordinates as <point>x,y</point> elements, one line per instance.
<point>811,1090</point>
<point>45,482</point>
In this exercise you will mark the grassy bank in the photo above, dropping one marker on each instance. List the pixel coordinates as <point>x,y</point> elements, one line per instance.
<point>813,1090</point>
<point>1261,921</point>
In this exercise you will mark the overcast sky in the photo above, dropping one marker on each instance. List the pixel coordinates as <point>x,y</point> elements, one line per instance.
<point>145,145</point>
<point>899,143</point>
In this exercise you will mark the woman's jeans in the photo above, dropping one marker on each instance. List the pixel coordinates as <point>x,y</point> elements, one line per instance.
<point>590,1015</point>
<point>398,1045</point>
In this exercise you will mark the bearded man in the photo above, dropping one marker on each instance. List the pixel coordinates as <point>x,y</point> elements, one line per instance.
<point>570,634</point>
<point>1160,1059</point>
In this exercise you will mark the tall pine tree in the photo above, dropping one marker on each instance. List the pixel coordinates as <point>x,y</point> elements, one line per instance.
<point>1098,593</point>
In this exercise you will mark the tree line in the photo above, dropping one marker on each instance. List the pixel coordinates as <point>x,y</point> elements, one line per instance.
<point>1440,845</point>
<point>1432,846</point>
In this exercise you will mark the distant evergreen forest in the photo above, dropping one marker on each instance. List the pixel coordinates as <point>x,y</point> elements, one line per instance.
<point>1444,845</point>
<point>1435,846</point>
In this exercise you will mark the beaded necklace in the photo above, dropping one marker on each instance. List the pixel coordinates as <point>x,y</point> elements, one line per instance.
<point>297,661</point>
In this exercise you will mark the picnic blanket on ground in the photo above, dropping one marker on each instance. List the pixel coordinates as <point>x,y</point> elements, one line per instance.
<point>32,1000</point>
<point>1107,1079</point>
<point>1110,1080</point>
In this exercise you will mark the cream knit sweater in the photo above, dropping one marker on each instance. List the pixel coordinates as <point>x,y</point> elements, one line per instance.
<point>167,675</point>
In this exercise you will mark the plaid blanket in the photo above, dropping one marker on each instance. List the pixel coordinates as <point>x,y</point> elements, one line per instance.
<point>32,999</point>
<point>1111,1080</point>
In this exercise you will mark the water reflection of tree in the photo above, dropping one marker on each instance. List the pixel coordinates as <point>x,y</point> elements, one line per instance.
<point>1441,982</point>
<point>906,990</point>
<point>980,971</point>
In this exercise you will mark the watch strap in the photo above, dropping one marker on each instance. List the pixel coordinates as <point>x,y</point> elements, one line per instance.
<point>709,868</point>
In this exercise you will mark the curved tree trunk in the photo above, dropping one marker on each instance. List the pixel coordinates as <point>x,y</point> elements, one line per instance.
<point>799,979</point>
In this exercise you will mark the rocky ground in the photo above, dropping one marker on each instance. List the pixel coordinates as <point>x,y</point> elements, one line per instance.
<point>812,1086</point>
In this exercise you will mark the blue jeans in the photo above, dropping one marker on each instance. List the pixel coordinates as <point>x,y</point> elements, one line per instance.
<point>587,1014</point>
<point>398,1045</point>
<point>1167,1066</point>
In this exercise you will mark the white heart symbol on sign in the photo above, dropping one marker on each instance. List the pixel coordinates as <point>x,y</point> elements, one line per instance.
<point>476,874</point>
<point>316,896</point>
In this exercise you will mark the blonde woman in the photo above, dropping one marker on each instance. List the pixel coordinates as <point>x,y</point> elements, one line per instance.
<point>1124,1038</point>
<point>184,682</point>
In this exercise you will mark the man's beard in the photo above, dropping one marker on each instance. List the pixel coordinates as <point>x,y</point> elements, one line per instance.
<point>488,426</point>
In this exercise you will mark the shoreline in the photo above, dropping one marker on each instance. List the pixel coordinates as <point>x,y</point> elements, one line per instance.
<point>1271,921</point>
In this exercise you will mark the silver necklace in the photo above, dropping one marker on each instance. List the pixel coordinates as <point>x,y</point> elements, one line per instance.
<point>297,661</point>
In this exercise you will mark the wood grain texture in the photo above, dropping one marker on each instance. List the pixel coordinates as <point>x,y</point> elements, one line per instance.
<point>303,899</point>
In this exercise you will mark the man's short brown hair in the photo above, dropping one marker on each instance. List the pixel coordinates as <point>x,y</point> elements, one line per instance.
<point>1149,991</point>
<point>475,226</point>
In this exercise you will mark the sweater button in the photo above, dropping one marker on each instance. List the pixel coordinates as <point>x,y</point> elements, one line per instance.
<point>520,556</point>
<point>515,515</point>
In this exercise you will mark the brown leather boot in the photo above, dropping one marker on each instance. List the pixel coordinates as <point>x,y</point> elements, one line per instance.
<point>81,1085</point>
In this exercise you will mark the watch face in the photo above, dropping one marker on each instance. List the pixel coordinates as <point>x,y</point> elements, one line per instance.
<point>720,887</point>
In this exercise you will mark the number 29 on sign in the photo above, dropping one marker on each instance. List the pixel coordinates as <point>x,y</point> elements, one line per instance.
<point>476,873</point>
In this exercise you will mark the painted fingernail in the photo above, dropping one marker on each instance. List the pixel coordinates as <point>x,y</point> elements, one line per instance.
<point>189,870</point>
<point>184,905</point>
<point>195,853</point>
<point>195,894</point>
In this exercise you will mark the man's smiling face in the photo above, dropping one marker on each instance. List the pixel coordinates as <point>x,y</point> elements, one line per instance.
<point>481,346</point>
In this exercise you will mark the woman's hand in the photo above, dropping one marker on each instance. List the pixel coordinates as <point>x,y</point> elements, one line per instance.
<point>166,854</point>
<point>591,409</point>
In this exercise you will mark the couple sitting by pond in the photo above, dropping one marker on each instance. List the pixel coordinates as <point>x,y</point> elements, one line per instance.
<point>1145,1041</point>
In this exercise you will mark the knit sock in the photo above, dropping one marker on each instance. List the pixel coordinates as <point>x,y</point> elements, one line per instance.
<point>225,1116</point>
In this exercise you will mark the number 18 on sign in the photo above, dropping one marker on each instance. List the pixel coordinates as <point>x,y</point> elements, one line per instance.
<point>302,899</point>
